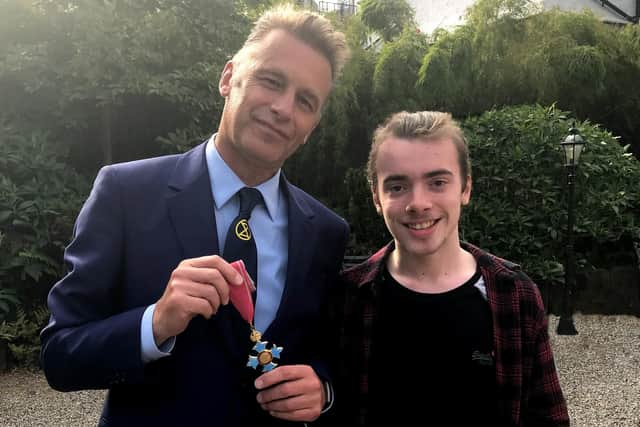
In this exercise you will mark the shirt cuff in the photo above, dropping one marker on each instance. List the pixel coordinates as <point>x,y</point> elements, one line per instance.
<point>328,392</point>
<point>150,351</point>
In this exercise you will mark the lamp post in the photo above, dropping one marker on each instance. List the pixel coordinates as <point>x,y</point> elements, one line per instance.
<point>572,147</point>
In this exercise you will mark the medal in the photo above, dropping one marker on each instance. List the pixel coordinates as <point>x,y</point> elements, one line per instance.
<point>263,356</point>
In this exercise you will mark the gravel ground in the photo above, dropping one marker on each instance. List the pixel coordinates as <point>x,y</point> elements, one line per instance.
<point>599,371</point>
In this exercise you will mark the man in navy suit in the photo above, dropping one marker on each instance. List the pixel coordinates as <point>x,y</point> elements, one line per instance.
<point>144,309</point>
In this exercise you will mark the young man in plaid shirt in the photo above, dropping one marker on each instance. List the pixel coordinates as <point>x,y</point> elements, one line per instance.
<point>434,331</point>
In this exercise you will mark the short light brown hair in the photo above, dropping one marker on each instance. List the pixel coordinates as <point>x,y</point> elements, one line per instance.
<point>423,125</point>
<point>309,27</point>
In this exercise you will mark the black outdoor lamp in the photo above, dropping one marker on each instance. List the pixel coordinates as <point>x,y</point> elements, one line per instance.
<point>572,146</point>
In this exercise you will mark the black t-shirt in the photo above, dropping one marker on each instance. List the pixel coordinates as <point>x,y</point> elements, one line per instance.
<point>432,361</point>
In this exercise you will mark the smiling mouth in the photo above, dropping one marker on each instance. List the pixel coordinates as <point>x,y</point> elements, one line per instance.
<point>421,225</point>
<point>272,129</point>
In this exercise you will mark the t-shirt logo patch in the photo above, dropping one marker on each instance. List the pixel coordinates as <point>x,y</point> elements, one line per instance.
<point>485,359</point>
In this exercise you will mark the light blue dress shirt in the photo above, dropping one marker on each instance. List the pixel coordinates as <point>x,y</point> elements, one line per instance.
<point>268,223</point>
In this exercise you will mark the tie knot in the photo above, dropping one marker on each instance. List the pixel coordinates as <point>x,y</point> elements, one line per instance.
<point>249,198</point>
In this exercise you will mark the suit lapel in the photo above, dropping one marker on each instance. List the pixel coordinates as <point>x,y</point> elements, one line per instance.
<point>190,204</point>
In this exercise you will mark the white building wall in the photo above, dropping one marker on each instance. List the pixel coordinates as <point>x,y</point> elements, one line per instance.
<point>601,11</point>
<point>432,14</point>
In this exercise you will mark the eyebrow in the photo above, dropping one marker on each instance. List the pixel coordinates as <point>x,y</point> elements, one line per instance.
<point>438,172</point>
<point>392,178</point>
<point>432,174</point>
<point>270,72</point>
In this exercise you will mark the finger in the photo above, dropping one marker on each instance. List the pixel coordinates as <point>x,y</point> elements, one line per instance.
<point>203,261</point>
<point>311,390</point>
<point>284,390</point>
<point>282,373</point>
<point>212,296</point>
<point>202,306</point>
<point>293,403</point>
<point>207,276</point>
<point>191,295</point>
<point>181,306</point>
<point>217,262</point>
<point>213,277</point>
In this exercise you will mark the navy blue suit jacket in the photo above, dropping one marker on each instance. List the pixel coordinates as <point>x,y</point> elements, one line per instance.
<point>141,219</point>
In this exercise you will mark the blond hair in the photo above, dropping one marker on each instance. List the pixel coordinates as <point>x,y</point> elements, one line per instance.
<point>309,27</point>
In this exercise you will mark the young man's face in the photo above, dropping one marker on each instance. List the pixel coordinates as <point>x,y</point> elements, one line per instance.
<point>274,97</point>
<point>420,194</point>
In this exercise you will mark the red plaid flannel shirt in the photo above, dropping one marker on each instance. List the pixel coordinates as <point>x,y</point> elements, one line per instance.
<point>528,388</point>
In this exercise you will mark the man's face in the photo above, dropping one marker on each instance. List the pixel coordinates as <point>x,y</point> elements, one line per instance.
<point>274,97</point>
<point>420,194</point>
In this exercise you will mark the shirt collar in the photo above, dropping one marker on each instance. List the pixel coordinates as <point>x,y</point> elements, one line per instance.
<point>225,183</point>
<point>364,275</point>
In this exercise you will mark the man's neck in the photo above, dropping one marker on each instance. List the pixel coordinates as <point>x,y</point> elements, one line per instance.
<point>248,171</point>
<point>433,273</point>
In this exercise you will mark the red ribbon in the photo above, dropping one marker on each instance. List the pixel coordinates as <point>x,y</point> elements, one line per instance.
<point>240,295</point>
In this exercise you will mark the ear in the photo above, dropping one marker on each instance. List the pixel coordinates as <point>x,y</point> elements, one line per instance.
<point>224,85</point>
<point>466,193</point>
<point>376,200</point>
<point>304,141</point>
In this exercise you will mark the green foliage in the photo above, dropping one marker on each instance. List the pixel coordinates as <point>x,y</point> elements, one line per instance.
<point>387,17</point>
<point>518,205</point>
<point>489,12</point>
<point>356,32</point>
<point>99,76</point>
<point>341,138</point>
<point>396,73</point>
<point>8,300</point>
<point>453,81</point>
<point>23,335</point>
<point>630,43</point>
<point>140,78</point>
<point>39,199</point>
<point>510,53</point>
<point>473,69</point>
<point>368,230</point>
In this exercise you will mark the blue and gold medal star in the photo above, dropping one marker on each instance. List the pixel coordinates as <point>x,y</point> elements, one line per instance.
<point>265,356</point>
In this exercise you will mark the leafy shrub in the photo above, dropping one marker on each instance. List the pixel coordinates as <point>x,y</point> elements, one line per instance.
<point>396,72</point>
<point>105,79</point>
<point>39,199</point>
<point>22,335</point>
<point>368,230</point>
<point>8,298</point>
<point>519,204</point>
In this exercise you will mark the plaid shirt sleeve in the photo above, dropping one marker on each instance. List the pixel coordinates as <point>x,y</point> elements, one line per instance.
<point>527,379</point>
<point>546,405</point>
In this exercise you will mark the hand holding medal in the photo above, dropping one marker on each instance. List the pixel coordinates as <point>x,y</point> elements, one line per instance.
<point>263,357</point>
